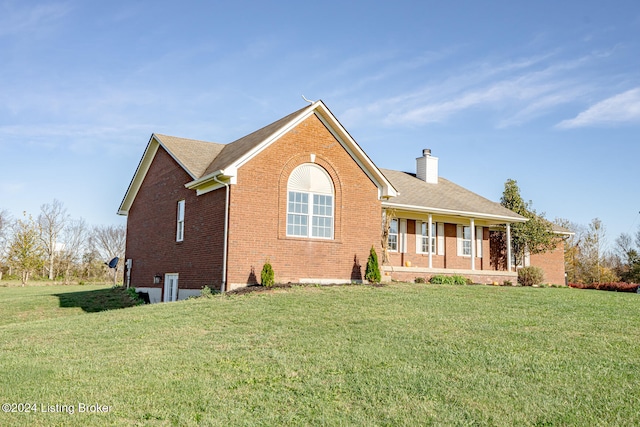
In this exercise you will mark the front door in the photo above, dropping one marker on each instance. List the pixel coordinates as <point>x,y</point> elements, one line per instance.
<point>170,287</point>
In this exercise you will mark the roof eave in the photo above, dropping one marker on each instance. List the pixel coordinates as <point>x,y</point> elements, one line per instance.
<point>211,181</point>
<point>453,212</point>
<point>139,175</point>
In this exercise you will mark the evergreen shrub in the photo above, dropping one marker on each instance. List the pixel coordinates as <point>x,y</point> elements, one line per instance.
<point>372,273</point>
<point>267,275</point>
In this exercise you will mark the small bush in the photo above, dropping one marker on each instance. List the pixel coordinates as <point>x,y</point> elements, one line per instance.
<point>440,279</point>
<point>267,275</point>
<point>507,283</point>
<point>133,294</point>
<point>419,280</point>
<point>529,276</point>
<point>372,273</point>
<point>206,292</point>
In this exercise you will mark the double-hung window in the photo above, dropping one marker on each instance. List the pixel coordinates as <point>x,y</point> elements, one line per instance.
<point>424,241</point>
<point>465,242</point>
<point>392,243</point>
<point>180,222</point>
<point>310,203</point>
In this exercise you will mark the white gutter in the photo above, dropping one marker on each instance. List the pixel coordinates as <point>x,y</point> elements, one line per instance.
<point>226,231</point>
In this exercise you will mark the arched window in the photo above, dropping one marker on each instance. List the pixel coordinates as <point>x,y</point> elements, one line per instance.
<point>310,202</point>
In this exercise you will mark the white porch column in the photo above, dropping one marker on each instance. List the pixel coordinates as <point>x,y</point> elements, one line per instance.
<point>508,247</point>
<point>429,238</point>
<point>473,244</point>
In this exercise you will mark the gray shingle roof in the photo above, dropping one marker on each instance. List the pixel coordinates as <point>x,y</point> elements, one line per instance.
<point>195,156</point>
<point>238,148</point>
<point>444,197</point>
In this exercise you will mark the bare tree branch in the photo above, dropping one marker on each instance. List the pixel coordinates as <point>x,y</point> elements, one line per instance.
<point>52,220</point>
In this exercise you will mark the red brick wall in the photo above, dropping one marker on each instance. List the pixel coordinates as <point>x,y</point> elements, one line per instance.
<point>450,259</point>
<point>257,229</point>
<point>552,263</point>
<point>151,229</point>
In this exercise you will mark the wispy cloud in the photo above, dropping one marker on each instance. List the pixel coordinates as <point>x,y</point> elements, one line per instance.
<point>619,109</point>
<point>521,96</point>
<point>29,19</point>
<point>517,90</point>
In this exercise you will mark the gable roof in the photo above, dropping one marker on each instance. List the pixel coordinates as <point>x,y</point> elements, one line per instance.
<point>236,149</point>
<point>237,153</point>
<point>445,198</point>
<point>193,155</point>
<point>210,163</point>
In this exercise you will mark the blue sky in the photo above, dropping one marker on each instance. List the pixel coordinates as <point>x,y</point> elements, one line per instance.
<point>545,92</point>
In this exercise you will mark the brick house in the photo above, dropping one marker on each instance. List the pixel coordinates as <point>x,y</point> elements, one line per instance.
<point>302,194</point>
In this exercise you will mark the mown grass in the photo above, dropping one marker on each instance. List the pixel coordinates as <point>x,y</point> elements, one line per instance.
<point>357,355</point>
<point>20,304</point>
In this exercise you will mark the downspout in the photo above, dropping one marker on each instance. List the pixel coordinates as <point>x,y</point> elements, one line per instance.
<point>226,231</point>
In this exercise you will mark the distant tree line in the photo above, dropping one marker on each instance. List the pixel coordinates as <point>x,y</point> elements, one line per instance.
<point>588,257</point>
<point>56,247</point>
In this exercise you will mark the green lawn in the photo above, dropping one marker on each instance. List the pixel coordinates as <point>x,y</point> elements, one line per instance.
<point>404,354</point>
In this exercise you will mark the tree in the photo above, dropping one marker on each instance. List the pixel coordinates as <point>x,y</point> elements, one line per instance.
<point>595,268</point>
<point>5,224</point>
<point>51,220</point>
<point>26,252</point>
<point>75,236</point>
<point>534,236</point>
<point>372,272</point>
<point>627,257</point>
<point>572,249</point>
<point>388,215</point>
<point>109,242</point>
<point>586,260</point>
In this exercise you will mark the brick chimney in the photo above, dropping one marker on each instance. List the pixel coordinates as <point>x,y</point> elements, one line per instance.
<point>427,167</point>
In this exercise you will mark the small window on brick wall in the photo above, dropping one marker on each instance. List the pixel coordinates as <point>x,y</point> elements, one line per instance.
<point>465,242</point>
<point>392,243</point>
<point>180,222</point>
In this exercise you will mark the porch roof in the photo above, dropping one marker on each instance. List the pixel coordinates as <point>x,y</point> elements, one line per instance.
<point>445,198</point>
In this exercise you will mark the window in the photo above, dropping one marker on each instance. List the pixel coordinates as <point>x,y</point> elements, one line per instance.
<point>424,241</point>
<point>392,243</point>
<point>180,222</point>
<point>466,241</point>
<point>310,202</point>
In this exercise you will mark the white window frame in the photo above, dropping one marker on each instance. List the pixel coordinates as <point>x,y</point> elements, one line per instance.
<point>310,203</point>
<point>180,222</point>
<point>462,240</point>
<point>421,239</point>
<point>393,243</point>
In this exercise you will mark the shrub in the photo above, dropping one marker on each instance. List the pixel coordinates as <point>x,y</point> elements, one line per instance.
<point>267,275</point>
<point>610,286</point>
<point>372,273</point>
<point>440,279</point>
<point>206,292</point>
<point>507,283</point>
<point>529,276</point>
<point>133,294</point>
<point>419,280</point>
